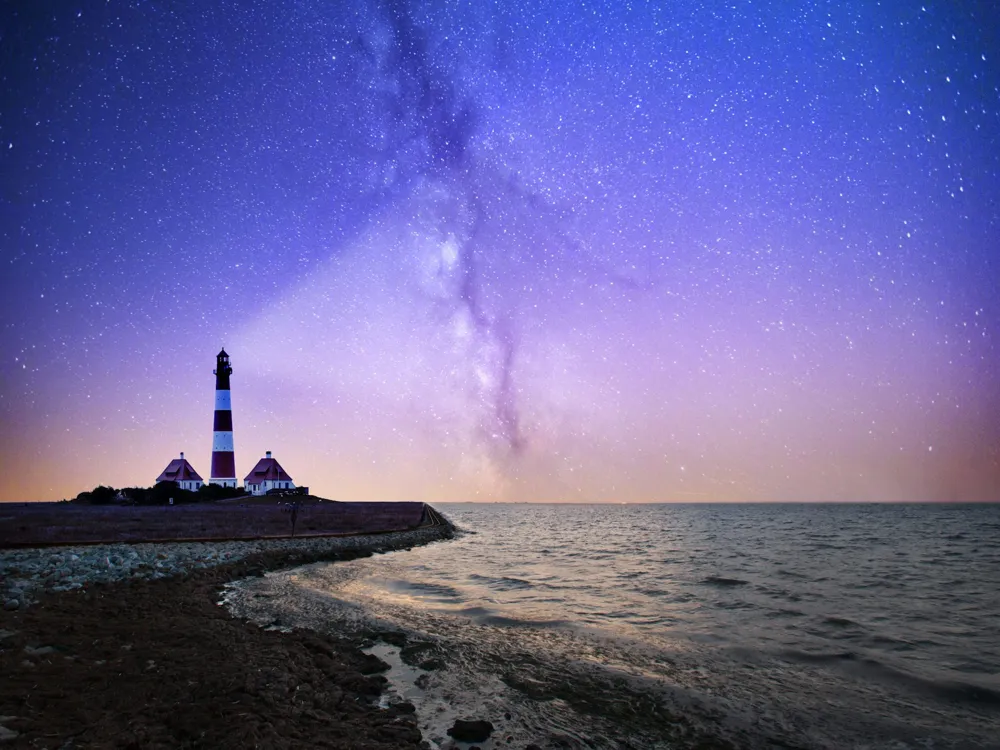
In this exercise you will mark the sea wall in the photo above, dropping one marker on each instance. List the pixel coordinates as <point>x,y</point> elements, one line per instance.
<point>26,571</point>
<point>38,524</point>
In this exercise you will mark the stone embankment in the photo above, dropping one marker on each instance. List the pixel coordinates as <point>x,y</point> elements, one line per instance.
<point>25,572</point>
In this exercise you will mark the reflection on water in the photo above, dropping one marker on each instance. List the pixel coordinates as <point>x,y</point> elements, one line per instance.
<point>819,626</point>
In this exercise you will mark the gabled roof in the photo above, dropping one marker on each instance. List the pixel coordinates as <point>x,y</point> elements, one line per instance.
<point>179,470</point>
<point>267,470</point>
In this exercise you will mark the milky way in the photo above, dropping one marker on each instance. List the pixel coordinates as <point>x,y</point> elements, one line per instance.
<point>571,252</point>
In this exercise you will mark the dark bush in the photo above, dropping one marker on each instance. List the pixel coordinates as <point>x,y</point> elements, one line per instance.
<point>98,496</point>
<point>164,491</point>
<point>210,492</point>
<point>160,494</point>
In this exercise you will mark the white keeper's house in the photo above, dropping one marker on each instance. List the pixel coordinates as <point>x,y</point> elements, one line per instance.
<point>181,471</point>
<point>267,475</point>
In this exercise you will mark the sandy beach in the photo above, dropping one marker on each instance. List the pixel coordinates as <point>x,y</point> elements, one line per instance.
<point>157,663</point>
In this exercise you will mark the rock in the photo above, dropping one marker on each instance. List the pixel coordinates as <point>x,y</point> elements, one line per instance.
<point>371,664</point>
<point>358,683</point>
<point>471,731</point>
<point>393,638</point>
<point>414,652</point>
<point>400,734</point>
<point>12,604</point>
<point>41,651</point>
<point>28,571</point>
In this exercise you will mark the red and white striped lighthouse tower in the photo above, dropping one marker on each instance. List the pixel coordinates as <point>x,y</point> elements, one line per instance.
<point>223,456</point>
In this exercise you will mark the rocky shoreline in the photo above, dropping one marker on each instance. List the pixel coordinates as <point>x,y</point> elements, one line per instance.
<point>126,646</point>
<point>24,573</point>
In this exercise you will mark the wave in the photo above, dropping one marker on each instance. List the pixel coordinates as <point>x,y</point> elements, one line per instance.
<point>778,593</point>
<point>628,575</point>
<point>949,690</point>
<point>841,622</point>
<point>785,613</point>
<point>722,581</point>
<point>965,692</point>
<point>812,657</point>
<point>671,595</point>
<point>434,591</point>
<point>486,617</point>
<point>503,583</point>
<point>784,572</point>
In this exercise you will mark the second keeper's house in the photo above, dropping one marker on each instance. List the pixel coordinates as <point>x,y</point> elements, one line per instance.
<point>267,475</point>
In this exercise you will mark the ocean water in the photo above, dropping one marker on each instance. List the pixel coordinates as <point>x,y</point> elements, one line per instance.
<point>645,626</point>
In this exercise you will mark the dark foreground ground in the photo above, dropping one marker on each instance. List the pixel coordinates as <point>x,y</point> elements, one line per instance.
<point>158,664</point>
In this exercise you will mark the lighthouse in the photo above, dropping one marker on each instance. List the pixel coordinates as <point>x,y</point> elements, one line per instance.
<point>223,456</point>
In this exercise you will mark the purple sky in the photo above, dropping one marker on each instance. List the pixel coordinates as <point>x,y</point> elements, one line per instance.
<point>689,251</point>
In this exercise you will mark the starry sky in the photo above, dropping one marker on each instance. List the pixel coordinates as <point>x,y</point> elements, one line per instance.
<point>487,250</point>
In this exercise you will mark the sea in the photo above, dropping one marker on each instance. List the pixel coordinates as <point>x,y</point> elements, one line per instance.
<point>679,626</point>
